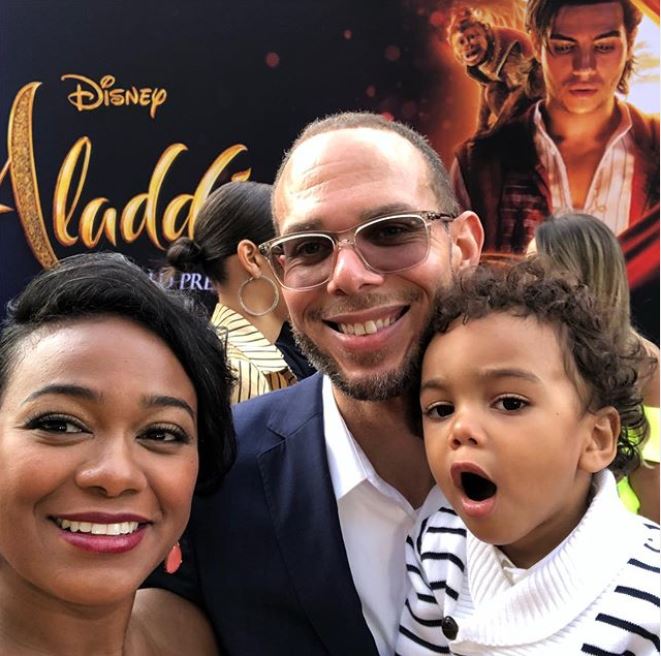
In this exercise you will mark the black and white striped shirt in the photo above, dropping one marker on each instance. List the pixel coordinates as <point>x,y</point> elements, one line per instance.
<point>596,593</point>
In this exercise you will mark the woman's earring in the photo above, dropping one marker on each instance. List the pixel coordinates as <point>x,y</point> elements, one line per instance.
<point>174,559</point>
<point>276,296</point>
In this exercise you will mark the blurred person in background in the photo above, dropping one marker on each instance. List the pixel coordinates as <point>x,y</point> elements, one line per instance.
<point>582,245</point>
<point>250,316</point>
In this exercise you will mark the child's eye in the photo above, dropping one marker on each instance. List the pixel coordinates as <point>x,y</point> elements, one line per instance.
<point>510,403</point>
<point>439,410</point>
<point>54,423</point>
<point>165,434</point>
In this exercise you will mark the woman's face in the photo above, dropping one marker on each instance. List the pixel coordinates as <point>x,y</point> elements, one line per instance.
<point>98,460</point>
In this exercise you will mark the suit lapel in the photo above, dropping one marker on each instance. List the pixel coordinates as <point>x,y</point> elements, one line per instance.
<point>302,503</point>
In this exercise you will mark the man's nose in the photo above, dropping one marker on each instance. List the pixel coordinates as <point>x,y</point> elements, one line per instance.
<point>112,467</point>
<point>584,60</point>
<point>350,274</point>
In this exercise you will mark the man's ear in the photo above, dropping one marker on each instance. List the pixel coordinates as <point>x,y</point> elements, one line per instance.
<point>249,257</point>
<point>467,237</point>
<point>600,446</point>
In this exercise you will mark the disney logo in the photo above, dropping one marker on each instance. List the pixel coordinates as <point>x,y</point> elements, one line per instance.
<point>89,95</point>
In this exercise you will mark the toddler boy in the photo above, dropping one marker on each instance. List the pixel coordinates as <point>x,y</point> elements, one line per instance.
<point>526,405</point>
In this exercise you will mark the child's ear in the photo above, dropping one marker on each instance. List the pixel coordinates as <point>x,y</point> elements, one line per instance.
<point>600,446</point>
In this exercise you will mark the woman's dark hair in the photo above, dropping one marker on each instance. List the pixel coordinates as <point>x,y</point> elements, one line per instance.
<point>100,284</point>
<point>605,358</point>
<point>235,211</point>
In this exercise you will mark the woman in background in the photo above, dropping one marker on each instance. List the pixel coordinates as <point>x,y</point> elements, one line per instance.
<point>587,248</point>
<point>250,317</point>
<point>114,410</point>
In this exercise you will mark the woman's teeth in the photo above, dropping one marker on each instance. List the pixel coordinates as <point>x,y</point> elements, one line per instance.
<point>121,528</point>
<point>367,327</point>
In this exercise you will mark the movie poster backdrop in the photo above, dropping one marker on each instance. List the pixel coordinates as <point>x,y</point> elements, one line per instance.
<point>121,116</point>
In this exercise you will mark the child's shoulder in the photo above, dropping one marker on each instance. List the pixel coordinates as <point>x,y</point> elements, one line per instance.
<point>445,521</point>
<point>629,611</point>
<point>647,548</point>
<point>441,533</point>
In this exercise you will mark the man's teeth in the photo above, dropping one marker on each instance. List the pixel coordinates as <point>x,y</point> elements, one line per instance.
<point>366,328</point>
<point>121,528</point>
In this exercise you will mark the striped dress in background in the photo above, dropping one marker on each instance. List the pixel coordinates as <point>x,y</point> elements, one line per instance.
<point>257,364</point>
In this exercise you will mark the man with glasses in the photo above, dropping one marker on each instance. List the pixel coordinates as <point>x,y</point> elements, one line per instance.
<point>302,551</point>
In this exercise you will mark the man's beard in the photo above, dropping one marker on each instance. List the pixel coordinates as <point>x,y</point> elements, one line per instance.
<point>372,386</point>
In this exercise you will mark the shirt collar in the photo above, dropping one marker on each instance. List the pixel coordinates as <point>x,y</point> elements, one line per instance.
<point>623,126</point>
<point>347,468</point>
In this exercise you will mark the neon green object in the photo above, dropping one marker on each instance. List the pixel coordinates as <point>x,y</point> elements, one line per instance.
<point>650,453</point>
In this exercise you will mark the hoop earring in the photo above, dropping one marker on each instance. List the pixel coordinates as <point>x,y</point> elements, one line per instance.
<point>174,559</point>
<point>276,297</point>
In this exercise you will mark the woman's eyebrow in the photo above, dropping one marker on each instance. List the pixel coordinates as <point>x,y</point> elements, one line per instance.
<point>65,390</point>
<point>164,401</point>
<point>157,400</point>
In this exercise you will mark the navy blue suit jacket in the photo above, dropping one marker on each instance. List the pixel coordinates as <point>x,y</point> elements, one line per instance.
<point>264,555</point>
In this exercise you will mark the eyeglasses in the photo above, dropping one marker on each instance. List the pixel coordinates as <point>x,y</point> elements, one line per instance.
<point>386,244</point>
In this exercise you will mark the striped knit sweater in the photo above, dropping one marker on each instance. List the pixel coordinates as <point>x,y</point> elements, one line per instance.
<point>596,593</point>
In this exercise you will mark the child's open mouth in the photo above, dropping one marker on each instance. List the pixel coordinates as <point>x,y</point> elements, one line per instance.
<point>477,490</point>
<point>477,487</point>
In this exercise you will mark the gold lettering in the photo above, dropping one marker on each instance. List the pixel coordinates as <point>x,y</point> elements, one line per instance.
<point>116,97</point>
<point>24,175</point>
<point>209,178</point>
<point>107,227</point>
<point>159,97</point>
<point>127,223</point>
<point>62,218</point>
<point>170,230</point>
<point>241,176</point>
<point>95,95</point>
<point>84,100</point>
<point>3,173</point>
<point>96,222</point>
<point>161,168</point>
<point>132,96</point>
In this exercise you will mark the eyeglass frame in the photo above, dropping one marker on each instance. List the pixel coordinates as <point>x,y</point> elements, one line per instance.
<point>427,217</point>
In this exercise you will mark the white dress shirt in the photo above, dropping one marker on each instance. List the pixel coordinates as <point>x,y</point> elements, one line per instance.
<point>609,194</point>
<point>375,520</point>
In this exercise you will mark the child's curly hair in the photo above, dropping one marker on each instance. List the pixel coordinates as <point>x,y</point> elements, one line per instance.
<point>607,360</point>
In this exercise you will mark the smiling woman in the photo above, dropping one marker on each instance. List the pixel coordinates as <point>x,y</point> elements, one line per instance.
<point>114,408</point>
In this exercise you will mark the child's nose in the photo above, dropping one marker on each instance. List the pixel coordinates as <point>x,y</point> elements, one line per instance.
<point>465,431</point>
